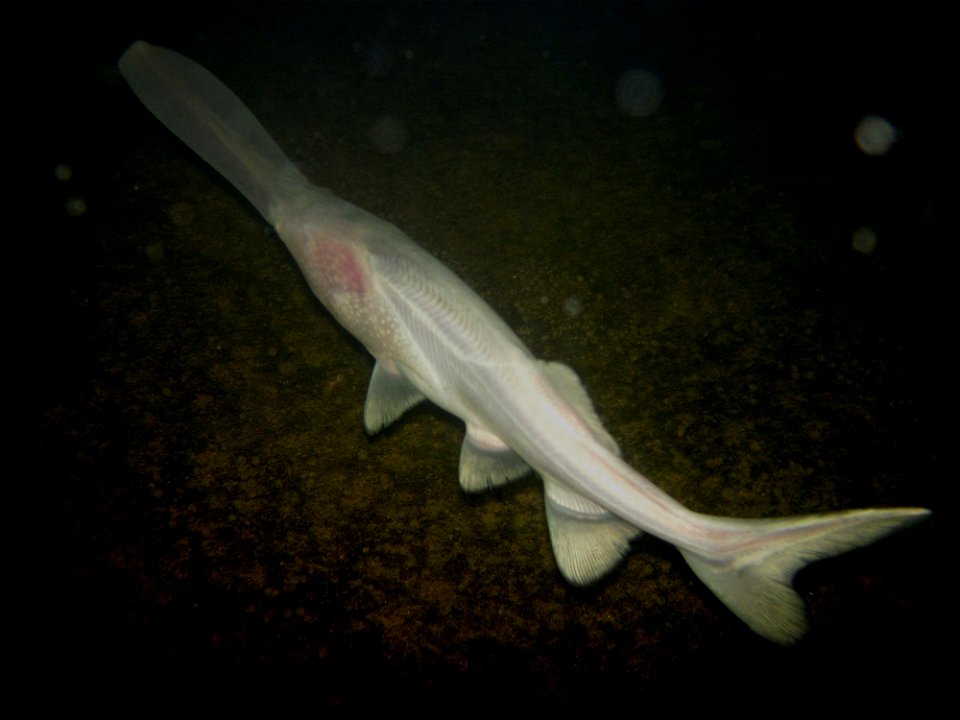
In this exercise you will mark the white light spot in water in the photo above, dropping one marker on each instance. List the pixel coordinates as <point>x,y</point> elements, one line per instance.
<point>864,240</point>
<point>639,93</point>
<point>572,306</point>
<point>63,172</point>
<point>389,134</point>
<point>875,135</point>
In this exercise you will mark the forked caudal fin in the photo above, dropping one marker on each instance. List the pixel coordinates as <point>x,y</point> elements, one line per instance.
<point>753,567</point>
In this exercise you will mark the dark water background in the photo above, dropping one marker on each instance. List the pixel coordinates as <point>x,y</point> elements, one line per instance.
<point>198,508</point>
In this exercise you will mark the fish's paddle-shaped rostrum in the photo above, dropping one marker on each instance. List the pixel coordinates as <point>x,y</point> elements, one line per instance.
<point>434,338</point>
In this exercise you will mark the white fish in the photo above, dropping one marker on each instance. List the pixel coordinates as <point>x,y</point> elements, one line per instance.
<point>434,338</point>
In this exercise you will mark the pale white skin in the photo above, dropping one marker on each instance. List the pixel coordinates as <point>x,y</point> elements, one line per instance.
<point>434,338</point>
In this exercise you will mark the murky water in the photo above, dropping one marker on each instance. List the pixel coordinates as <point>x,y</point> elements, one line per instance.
<point>205,503</point>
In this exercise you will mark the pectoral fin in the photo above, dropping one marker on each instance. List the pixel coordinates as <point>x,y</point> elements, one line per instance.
<point>389,396</point>
<point>487,462</point>
<point>588,541</point>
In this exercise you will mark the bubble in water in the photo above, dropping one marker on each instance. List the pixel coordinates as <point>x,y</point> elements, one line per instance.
<point>75,206</point>
<point>389,134</point>
<point>639,93</point>
<point>155,252</point>
<point>572,306</point>
<point>376,58</point>
<point>864,240</point>
<point>875,135</point>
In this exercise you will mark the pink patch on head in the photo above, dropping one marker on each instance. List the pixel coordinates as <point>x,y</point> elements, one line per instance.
<point>339,266</point>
